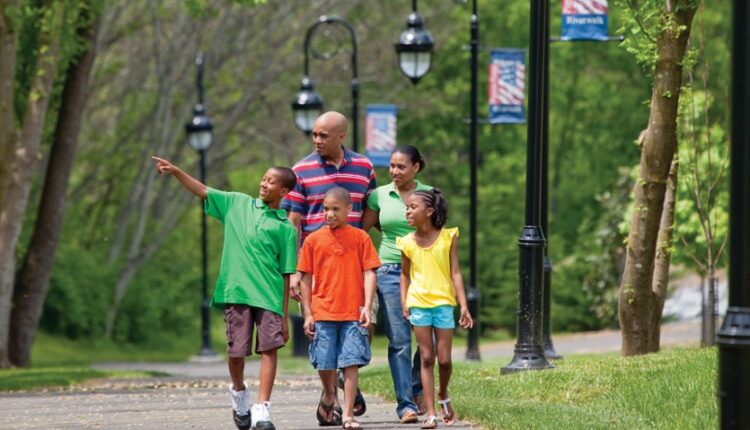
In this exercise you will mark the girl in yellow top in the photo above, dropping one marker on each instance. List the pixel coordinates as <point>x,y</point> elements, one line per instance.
<point>431,284</point>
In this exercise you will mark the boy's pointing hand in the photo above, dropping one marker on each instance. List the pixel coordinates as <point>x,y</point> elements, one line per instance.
<point>163,166</point>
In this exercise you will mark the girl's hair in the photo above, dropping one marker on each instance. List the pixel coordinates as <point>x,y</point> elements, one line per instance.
<point>413,154</point>
<point>435,199</point>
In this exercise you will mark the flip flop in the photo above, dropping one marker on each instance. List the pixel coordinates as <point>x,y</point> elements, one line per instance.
<point>430,422</point>
<point>360,406</point>
<point>409,417</point>
<point>449,414</point>
<point>351,423</point>
<point>330,411</point>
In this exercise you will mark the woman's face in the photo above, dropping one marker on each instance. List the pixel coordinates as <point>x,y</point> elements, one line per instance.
<point>402,169</point>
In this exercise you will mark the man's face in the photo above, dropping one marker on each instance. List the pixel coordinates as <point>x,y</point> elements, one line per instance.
<point>271,189</point>
<point>335,211</point>
<point>327,138</point>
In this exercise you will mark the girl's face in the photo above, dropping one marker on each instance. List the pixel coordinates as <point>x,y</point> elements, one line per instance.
<point>417,212</point>
<point>402,169</point>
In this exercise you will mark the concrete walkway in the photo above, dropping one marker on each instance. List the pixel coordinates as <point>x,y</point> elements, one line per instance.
<point>194,396</point>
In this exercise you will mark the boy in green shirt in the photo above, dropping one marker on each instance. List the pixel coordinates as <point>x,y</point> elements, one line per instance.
<point>258,255</point>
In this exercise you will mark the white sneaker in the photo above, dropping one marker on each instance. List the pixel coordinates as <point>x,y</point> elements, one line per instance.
<point>261,416</point>
<point>240,407</point>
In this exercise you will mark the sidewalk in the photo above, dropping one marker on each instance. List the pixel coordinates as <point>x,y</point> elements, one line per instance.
<point>195,395</point>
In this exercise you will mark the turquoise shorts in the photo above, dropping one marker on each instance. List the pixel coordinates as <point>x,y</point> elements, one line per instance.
<point>438,317</point>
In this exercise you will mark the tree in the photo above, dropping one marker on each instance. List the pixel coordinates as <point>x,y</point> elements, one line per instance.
<point>21,128</point>
<point>33,278</point>
<point>641,299</point>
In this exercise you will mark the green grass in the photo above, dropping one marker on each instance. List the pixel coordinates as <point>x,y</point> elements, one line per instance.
<point>675,389</point>
<point>44,377</point>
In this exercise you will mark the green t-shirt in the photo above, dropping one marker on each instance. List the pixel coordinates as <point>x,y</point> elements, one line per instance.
<point>392,216</point>
<point>260,246</point>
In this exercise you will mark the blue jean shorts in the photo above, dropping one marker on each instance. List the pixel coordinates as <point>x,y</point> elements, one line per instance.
<point>438,317</point>
<point>339,344</point>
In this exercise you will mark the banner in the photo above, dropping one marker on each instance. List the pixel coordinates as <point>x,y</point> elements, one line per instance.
<point>380,134</point>
<point>507,83</point>
<point>584,20</point>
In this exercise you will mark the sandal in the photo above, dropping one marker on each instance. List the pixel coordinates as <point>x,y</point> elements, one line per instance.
<point>330,411</point>
<point>360,407</point>
<point>449,414</point>
<point>409,417</point>
<point>351,423</point>
<point>430,422</point>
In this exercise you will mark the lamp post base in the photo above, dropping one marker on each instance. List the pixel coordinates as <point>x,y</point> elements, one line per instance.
<point>734,375</point>
<point>527,357</point>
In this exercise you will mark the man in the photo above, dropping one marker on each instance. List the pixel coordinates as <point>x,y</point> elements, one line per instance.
<point>329,165</point>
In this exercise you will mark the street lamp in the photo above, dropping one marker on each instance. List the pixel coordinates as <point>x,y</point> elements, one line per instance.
<point>734,337</point>
<point>199,137</point>
<point>308,104</point>
<point>414,61</point>
<point>414,47</point>
<point>529,351</point>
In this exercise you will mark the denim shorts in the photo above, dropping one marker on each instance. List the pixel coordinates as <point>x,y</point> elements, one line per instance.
<point>339,344</point>
<point>438,317</point>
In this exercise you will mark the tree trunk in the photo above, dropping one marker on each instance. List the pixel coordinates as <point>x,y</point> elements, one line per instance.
<point>712,307</point>
<point>22,160</point>
<point>639,310</point>
<point>8,139</point>
<point>663,251</point>
<point>32,282</point>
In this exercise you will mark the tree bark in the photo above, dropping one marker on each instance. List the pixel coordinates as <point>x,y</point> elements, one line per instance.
<point>23,159</point>
<point>33,279</point>
<point>639,310</point>
<point>663,251</point>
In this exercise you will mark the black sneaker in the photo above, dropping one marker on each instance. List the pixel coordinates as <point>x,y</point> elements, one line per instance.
<point>241,421</point>
<point>264,425</point>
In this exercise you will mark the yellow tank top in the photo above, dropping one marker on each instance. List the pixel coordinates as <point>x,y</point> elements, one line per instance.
<point>430,271</point>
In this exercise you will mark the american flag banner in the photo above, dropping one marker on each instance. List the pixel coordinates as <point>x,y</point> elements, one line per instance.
<point>507,85</point>
<point>584,20</point>
<point>380,134</point>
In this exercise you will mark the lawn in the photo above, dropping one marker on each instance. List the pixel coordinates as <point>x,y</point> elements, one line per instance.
<point>675,389</point>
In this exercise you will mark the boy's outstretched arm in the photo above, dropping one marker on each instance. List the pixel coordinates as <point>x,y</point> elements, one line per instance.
<point>193,185</point>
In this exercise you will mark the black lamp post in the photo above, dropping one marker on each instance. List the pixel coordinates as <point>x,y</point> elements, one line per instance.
<point>472,296</point>
<point>529,351</point>
<point>414,47</point>
<point>308,104</point>
<point>734,335</point>
<point>199,137</point>
<point>416,43</point>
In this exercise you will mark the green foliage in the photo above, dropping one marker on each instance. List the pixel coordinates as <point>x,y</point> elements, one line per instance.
<point>25,379</point>
<point>672,389</point>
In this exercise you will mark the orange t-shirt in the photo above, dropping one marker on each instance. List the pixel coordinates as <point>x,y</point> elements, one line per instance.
<point>337,258</point>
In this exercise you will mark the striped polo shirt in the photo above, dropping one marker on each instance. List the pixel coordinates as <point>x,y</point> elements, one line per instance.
<point>315,176</point>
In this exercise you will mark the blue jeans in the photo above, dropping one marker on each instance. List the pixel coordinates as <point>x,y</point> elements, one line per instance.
<point>406,378</point>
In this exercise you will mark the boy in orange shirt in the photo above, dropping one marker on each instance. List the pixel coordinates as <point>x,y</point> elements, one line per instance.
<point>340,260</point>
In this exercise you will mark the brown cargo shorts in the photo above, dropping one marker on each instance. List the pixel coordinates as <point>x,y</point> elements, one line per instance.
<point>240,320</point>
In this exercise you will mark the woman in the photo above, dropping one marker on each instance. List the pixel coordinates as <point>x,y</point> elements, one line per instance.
<point>386,211</point>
